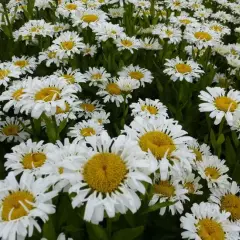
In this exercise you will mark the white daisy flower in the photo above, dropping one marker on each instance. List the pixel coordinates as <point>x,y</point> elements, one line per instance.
<point>182,70</point>
<point>149,108</point>
<point>127,43</point>
<point>183,20</point>
<point>139,74</point>
<point>220,104</point>
<point>7,72</point>
<point>44,96</point>
<point>61,236</point>
<point>219,28</point>
<point>60,27</point>
<point>116,12</point>
<point>175,4</point>
<point>50,56</point>
<point>22,204</point>
<point>89,18</point>
<point>44,4</point>
<point>109,178</point>
<point>127,85</point>
<point>96,76</point>
<point>222,80</point>
<point>207,221</point>
<point>28,156</point>
<point>25,64</point>
<point>203,14</point>
<point>66,8</point>
<point>214,171</point>
<point>84,129</point>
<point>88,108</point>
<point>222,16</point>
<point>150,44</point>
<point>12,129</point>
<point>101,117</point>
<point>67,44</point>
<point>89,50</point>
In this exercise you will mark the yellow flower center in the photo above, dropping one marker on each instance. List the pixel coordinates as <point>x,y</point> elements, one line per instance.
<point>164,188</point>
<point>69,78</point>
<point>71,6</point>
<point>60,170</point>
<point>104,172</point>
<point>96,76</point>
<point>11,130</point>
<point>212,172</point>
<point>21,63</point>
<point>48,94</point>
<point>87,132</point>
<point>52,55</point>
<point>203,36</point>
<point>35,29</point>
<point>216,28</point>
<point>60,110</point>
<point>17,94</point>
<point>126,43</point>
<point>177,3</point>
<point>157,142</point>
<point>151,109</point>
<point>225,104</point>
<point>113,89</point>
<point>185,21</point>
<point>231,203</point>
<point>3,73</point>
<point>33,160</point>
<point>16,204</point>
<point>169,33</point>
<point>90,18</point>
<point>198,154</point>
<point>233,52</point>
<point>210,230</point>
<point>88,107</point>
<point>183,68</point>
<point>67,45</point>
<point>136,75</point>
<point>190,187</point>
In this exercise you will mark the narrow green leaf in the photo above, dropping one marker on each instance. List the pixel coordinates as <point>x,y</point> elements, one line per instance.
<point>128,233</point>
<point>157,206</point>
<point>221,139</point>
<point>96,232</point>
<point>230,152</point>
<point>49,230</point>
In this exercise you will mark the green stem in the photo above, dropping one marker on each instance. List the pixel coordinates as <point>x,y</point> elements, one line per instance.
<point>109,227</point>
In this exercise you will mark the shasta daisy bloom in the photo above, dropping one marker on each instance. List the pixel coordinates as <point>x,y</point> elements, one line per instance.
<point>88,107</point>
<point>175,4</point>
<point>7,72</point>
<point>67,44</point>
<point>222,80</point>
<point>201,36</point>
<point>219,28</point>
<point>183,20</point>
<point>23,204</point>
<point>67,8</point>
<point>149,108</point>
<point>50,56</point>
<point>111,92</point>
<point>169,190</point>
<point>136,73</point>
<point>180,70</point>
<point>84,129</point>
<point>203,14</point>
<point>25,64</point>
<point>220,104</point>
<point>127,85</point>
<point>228,199</point>
<point>45,96</point>
<point>207,221</point>
<point>127,43</point>
<point>222,16</point>
<point>109,178</point>
<point>162,139</point>
<point>101,117</point>
<point>89,18</point>
<point>171,33</point>
<point>44,4</point>
<point>116,12</point>
<point>214,171</point>
<point>12,129</point>
<point>61,236</point>
<point>28,156</point>
<point>150,44</point>
<point>89,50</point>
<point>60,27</point>
<point>95,76</point>
<point>13,94</point>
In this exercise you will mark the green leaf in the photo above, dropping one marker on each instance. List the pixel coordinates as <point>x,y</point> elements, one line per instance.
<point>128,233</point>
<point>96,232</point>
<point>213,139</point>
<point>221,139</point>
<point>157,206</point>
<point>49,230</point>
<point>235,139</point>
<point>236,175</point>
<point>62,125</point>
<point>230,153</point>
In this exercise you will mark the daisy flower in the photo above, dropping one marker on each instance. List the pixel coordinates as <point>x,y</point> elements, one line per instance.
<point>101,117</point>
<point>28,156</point>
<point>12,129</point>
<point>175,4</point>
<point>25,64</point>
<point>60,27</point>
<point>23,204</point>
<point>183,20</point>
<point>214,171</point>
<point>139,74</point>
<point>50,56</point>
<point>44,4</point>
<point>88,108</point>
<point>61,236</point>
<point>220,104</point>
<point>96,76</point>
<point>84,129</point>
<point>208,221</point>
<point>219,28</point>
<point>67,44</point>
<point>222,16</point>
<point>67,8</point>
<point>7,72</point>
<point>127,43</point>
<point>150,44</point>
<point>116,12</point>
<point>89,50</point>
<point>203,14</point>
<point>180,70</point>
<point>149,108</point>
<point>127,85</point>
<point>109,178</point>
<point>89,18</point>
<point>44,96</point>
